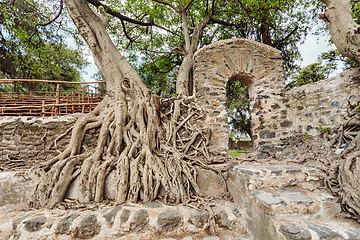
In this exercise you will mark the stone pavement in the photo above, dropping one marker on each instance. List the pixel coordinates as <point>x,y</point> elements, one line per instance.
<point>288,202</point>
<point>270,201</point>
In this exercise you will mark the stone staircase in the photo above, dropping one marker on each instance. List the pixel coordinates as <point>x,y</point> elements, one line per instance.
<point>288,202</point>
<point>270,201</point>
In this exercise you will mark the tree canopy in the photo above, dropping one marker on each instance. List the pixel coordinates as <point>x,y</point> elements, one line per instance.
<point>32,49</point>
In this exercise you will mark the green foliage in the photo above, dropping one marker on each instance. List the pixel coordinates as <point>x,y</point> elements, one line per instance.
<point>323,129</point>
<point>238,109</point>
<point>29,51</point>
<point>357,107</point>
<point>326,63</point>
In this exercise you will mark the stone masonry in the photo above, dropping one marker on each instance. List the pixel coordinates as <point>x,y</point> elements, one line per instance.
<point>277,114</point>
<point>259,67</point>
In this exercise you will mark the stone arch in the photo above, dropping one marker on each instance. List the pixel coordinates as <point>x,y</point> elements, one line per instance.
<point>259,66</point>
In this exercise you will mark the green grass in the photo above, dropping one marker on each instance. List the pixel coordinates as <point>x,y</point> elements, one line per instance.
<point>237,152</point>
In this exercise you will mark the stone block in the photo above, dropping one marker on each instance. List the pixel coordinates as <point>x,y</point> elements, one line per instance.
<point>294,232</point>
<point>198,218</point>
<point>140,220</point>
<point>169,219</point>
<point>65,223</point>
<point>324,232</point>
<point>110,216</point>
<point>34,224</point>
<point>269,199</point>
<point>87,228</point>
<point>295,197</point>
<point>210,182</point>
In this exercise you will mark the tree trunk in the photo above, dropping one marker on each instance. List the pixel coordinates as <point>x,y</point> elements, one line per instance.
<point>343,29</point>
<point>150,143</point>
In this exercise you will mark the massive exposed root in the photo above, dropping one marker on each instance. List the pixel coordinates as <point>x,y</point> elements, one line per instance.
<point>152,144</point>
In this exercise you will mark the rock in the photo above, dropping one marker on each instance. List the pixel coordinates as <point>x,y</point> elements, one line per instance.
<point>211,238</point>
<point>353,233</point>
<point>323,232</point>
<point>199,218</point>
<point>17,221</point>
<point>339,151</point>
<point>169,219</point>
<point>221,217</point>
<point>295,197</point>
<point>269,199</point>
<point>235,211</point>
<point>292,170</point>
<point>88,227</point>
<point>34,224</point>
<point>73,190</point>
<point>109,217</point>
<point>110,185</point>
<point>116,235</point>
<point>294,232</point>
<point>152,204</point>
<point>65,223</point>
<point>275,171</point>
<point>125,215</point>
<point>210,182</point>
<point>140,221</point>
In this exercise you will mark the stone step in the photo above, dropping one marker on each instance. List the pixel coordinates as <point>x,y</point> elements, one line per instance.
<point>288,202</point>
<point>152,220</point>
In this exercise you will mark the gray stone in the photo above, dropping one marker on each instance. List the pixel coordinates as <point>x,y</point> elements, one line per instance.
<point>125,215</point>
<point>336,104</point>
<point>247,170</point>
<point>169,219</point>
<point>199,218</point>
<point>353,233</point>
<point>116,235</point>
<point>34,224</point>
<point>294,232</point>
<point>235,211</point>
<point>210,182</point>
<point>152,204</point>
<point>286,123</point>
<point>292,170</point>
<point>323,232</point>
<point>140,221</point>
<point>65,223</point>
<point>110,216</point>
<point>17,221</point>
<point>221,217</point>
<point>88,227</point>
<point>275,171</point>
<point>295,197</point>
<point>269,199</point>
<point>266,134</point>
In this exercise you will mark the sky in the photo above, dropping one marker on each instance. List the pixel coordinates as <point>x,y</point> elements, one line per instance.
<point>310,50</point>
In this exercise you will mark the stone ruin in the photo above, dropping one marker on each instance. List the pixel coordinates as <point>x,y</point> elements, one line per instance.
<point>271,200</point>
<point>277,114</point>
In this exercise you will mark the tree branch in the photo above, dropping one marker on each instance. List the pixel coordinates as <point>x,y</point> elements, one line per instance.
<point>277,42</point>
<point>168,4</point>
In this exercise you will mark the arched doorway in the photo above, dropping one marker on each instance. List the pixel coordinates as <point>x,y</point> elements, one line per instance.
<point>259,66</point>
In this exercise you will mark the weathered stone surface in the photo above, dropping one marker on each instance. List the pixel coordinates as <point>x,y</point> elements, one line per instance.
<point>65,223</point>
<point>199,218</point>
<point>221,217</point>
<point>324,232</point>
<point>275,171</point>
<point>210,182</point>
<point>125,214</point>
<point>35,223</point>
<point>116,235</point>
<point>110,216</point>
<point>169,219</point>
<point>87,228</point>
<point>152,204</point>
<point>235,211</point>
<point>267,134</point>
<point>269,199</point>
<point>353,233</point>
<point>295,197</point>
<point>140,221</point>
<point>294,232</point>
<point>292,170</point>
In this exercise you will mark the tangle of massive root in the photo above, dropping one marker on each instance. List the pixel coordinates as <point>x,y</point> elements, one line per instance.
<point>150,143</point>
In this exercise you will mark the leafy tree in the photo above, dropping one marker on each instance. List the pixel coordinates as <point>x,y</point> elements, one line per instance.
<point>326,63</point>
<point>31,51</point>
<point>238,108</point>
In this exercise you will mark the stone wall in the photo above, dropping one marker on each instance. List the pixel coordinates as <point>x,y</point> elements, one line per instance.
<point>260,67</point>
<point>26,140</point>
<point>322,104</point>
<point>277,114</point>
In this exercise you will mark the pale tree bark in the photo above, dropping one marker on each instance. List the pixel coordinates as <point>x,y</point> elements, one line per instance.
<point>343,29</point>
<point>183,80</point>
<point>152,144</point>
